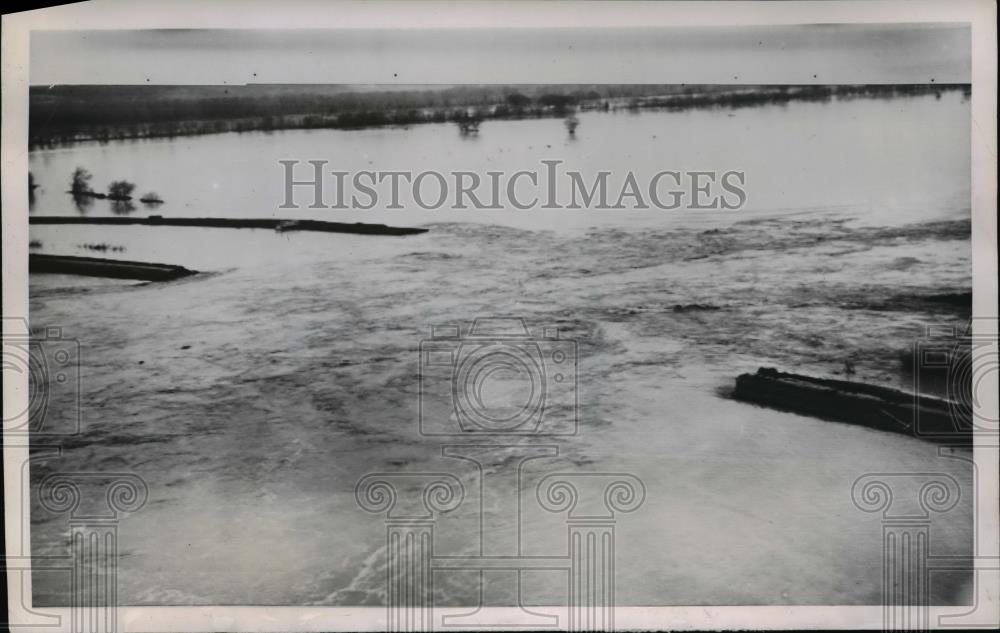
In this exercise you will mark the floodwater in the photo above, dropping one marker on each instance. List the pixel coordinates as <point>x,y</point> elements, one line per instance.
<point>253,397</point>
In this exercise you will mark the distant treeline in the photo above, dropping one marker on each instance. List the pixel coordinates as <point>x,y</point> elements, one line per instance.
<point>65,114</point>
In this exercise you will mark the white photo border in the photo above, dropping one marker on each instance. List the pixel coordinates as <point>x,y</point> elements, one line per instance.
<point>223,14</point>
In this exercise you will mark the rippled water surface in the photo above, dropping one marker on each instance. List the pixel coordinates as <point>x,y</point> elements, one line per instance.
<point>252,397</point>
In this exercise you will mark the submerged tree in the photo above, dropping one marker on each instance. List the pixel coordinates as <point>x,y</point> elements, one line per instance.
<point>121,190</point>
<point>81,182</point>
<point>122,206</point>
<point>468,126</point>
<point>468,123</point>
<point>571,123</point>
<point>83,204</point>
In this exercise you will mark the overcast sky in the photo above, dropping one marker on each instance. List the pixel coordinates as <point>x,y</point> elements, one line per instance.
<point>874,53</point>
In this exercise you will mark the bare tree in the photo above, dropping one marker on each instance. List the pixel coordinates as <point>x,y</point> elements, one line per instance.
<point>121,190</point>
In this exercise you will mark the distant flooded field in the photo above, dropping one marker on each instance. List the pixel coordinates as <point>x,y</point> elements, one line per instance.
<point>794,155</point>
<point>252,398</point>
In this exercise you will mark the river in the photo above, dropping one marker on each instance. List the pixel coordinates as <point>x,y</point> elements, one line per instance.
<point>253,397</point>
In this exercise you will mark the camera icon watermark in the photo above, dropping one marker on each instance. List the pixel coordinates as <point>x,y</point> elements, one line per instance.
<point>51,362</point>
<point>907,503</point>
<point>82,574</point>
<point>497,379</point>
<point>958,367</point>
<point>413,505</point>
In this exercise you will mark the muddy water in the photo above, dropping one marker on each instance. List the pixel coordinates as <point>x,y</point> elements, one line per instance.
<point>892,158</point>
<point>253,397</point>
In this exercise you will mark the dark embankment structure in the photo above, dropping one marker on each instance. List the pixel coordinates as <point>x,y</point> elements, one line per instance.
<point>236,223</point>
<point>858,403</point>
<point>113,268</point>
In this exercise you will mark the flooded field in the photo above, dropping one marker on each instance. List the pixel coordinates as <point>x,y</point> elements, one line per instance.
<point>253,397</point>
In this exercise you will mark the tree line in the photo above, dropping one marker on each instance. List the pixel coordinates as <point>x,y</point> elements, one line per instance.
<point>61,114</point>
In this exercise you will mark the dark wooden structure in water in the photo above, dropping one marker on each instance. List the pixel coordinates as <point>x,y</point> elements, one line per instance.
<point>858,403</point>
<point>113,268</point>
